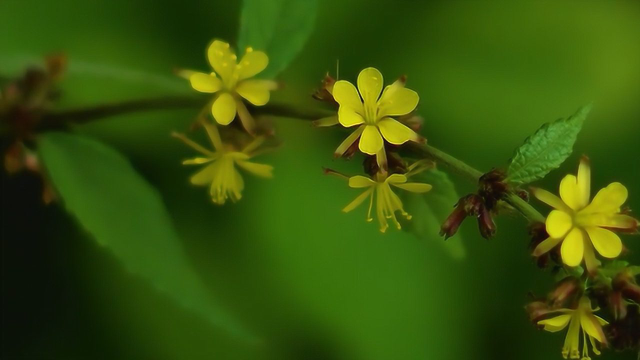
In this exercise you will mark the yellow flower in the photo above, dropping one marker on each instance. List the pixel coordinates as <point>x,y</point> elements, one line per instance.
<point>582,225</point>
<point>372,113</point>
<point>580,318</point>
<point>232,81</point>
<point>220,173</point>
<point>387,202</point>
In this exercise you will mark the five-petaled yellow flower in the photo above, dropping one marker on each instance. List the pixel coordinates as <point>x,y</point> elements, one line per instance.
<point>372,113</point>
<point>220,173</point>
<point>387,202</point>
<point>580,318</point>
<point>582,225</point>
<point>233,83</point>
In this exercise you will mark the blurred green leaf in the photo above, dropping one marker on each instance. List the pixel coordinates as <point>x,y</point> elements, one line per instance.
<point>278,27</point>
<point>13,65</point>
<point>547,149</point>
<point>430,210</point>
<point>125,214</point>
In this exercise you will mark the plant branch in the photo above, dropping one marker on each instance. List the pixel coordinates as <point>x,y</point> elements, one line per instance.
<point>445,159</point>
<point>59,119</point>
<point>474,175</point>
<point>88,114</point>
<point>524,208</point>
<point>98,112</point>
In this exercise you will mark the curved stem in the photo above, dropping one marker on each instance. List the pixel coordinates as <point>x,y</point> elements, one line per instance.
<point>91,113</point>
<point>474,175</point>
<point>83,115</point>
<point>445,159</point>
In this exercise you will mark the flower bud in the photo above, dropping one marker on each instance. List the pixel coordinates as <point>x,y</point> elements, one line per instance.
<point>618,304</point>
<point>485,223</point>
<point>538,233</point>
<point>325,91</point>
<point>624,333</point>
<point>537,310</point>
<point>564,290</point>
<point>452,223</point>
<point>492,187</point>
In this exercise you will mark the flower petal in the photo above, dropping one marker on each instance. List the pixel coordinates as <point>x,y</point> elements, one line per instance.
<point>606,242</point>
<point>224,109</point>
<point>395,132</point>
<point>396,179</point>
<point>346,144</point>
<point>248,123</point>
<point>607,220</point>
<point>570,193</point>
<point>360,181</point>
<point>349,117</point>
<point>214,135</point>
<point>396,101</point>
<point>571,347</point>
<point>584,181</point>
<point>197,161</point>
<point>381,159</point>
<point>347,95</point>
<point>418,188</point>
<point>556,323</point>
<point>550,199</point>
<point>357,201</point>
<point>326,121</point>
<point>252,63</point>
<point>608,200</point>
<point>592,327</point>
<point>558,223</point>
<point>222,59</point>
<point>205,83</point>
<point>256,91</point>
<point>370,140</point>
<point>261,170</point>
<point>369,84</point>
<point>572,249</point>
<point>204,176</point>
<point>590,260</point>
<point>546,246</point>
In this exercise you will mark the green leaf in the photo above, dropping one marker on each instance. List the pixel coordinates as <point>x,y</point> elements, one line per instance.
<point>125,214</point>
<point>547,149</point>
<point>430,210</point>
<point>13,65</point>
<point>278,27</point>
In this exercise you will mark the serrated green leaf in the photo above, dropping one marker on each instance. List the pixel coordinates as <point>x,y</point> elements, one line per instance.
<point>546,150</point>
<point>125,214</point>
<point>278,27</point>
<point>430,210</point>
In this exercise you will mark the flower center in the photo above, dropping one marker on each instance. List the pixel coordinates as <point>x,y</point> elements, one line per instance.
<point>370,112</point>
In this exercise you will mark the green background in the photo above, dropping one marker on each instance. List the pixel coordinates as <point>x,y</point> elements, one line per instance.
<point>315,283</point>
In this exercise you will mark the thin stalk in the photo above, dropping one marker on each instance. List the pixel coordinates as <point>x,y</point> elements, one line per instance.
<point>88,114</point>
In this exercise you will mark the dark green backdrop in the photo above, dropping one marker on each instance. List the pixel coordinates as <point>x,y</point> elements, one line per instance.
<point>314,282</point>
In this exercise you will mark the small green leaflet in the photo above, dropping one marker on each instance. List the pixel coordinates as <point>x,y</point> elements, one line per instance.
<point>278,27</point>
<point>547,149</point>
<point>430,210</point>
<point>125,214</point>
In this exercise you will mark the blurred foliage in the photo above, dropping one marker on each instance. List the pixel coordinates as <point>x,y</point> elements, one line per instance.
<point>278,27</point>
<point>430,210</point>
<point>311,281</point>
<point>124,214</point>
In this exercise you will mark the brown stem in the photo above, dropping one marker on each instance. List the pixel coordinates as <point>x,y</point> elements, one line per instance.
<point>88,114</point>
<point>84,115</point>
